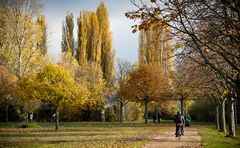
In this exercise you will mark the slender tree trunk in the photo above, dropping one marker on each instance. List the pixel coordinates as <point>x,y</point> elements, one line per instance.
<point>19,73</point>
<point>181,102</point>
<point>7,107</point>
<point>27,117</point>
<point>231,122</point>
<point>235,114</point>
<point>222,119</point>
<point>217,117</point>
<point>56,120</point>
<point>121,111</point>
<point>157,114</point>
<point>146,110</point>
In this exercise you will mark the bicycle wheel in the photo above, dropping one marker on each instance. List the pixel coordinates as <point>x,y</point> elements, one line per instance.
<point>179,134</point>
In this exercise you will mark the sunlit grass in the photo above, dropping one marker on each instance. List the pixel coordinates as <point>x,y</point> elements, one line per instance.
<point>80,134</point>
<point>213,139</point>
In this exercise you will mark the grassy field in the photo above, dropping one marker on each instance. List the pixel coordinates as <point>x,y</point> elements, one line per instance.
<point>213,139</point>
<point>79,134</point>
<point>102,134</point>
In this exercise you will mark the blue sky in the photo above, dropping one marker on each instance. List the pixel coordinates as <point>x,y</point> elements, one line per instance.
<point>124,41</point>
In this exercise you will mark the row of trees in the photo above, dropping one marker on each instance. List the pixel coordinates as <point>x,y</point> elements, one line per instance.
<point>94,46</point>
<point>208,33</point>
<point>91,50</point>
<point>94,40</point>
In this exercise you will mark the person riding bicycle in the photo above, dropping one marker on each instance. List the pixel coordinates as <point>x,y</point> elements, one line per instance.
<point>179,122</point>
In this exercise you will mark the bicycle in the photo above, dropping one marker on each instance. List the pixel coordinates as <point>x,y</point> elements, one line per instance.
<point>179,131</point>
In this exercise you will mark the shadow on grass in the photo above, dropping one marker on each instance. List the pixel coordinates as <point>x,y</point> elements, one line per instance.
<point>119,141</point>
<point>81,124</point>
<point>22,135</point>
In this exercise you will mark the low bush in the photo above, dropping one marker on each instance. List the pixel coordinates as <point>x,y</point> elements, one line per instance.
<point>29,125</point>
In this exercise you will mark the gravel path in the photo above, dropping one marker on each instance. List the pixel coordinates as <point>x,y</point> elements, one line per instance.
<point>190,139</point>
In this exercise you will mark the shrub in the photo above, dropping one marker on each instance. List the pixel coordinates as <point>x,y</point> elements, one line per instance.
<point>134,111</point>
<point>202,111</point>
<point>110,115</point>
<point>29,125</point>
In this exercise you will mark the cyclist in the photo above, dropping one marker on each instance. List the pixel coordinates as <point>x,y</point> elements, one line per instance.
<point>178,121</point>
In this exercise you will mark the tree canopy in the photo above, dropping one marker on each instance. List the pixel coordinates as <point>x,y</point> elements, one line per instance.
<point>147,81</point>
<point>57,86</point>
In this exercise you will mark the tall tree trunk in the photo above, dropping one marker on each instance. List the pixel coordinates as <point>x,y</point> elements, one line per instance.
<point>222,119</point>
<point>158,113</point>
<point>181,102</point>
<point>235,114</point>
<point>217,117</point>
<point>231,123</point>
<point>19,68</point>
<point>27,117</point>
<point>56,120</point>
<point>121,111</point>
<point>6,109</point>
<point>146,110</point>
<point>8,99</point>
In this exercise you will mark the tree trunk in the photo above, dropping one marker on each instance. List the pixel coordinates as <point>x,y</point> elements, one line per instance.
<point>217,117</point>
<point>27,117</point>
<point>231,123</point>
<point>222,119</point>
<point>181,101</point>
<point>235,114</point>
<point>7,107</point>
<point>56,120</point>
<point>19,73</point>
<point>121,111</point>
<point>146,110</point>
<point>158,113</point>
<point>157,110</point>
<point>102,115</point>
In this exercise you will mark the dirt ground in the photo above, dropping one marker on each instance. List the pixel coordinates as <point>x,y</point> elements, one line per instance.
<point>190,139</point>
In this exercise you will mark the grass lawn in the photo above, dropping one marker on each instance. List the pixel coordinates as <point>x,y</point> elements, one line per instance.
<point>79,134</point>
<point>213,139</point>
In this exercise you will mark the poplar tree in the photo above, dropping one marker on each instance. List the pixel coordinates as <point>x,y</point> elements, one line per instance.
<point>67,34</point>
<point>106,44</point>
<point>94,41</point>
<point>147,51</point>
<point>94,44</point>
<point>42,43</point>
<point>154,47</point>
<point>81,51</point>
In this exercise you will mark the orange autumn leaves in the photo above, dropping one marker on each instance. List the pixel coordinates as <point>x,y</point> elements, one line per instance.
<point>7,82</point>
<point>147,81</point>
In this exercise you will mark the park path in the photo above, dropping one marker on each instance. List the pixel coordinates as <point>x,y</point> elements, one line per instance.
<point>191,139</point>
